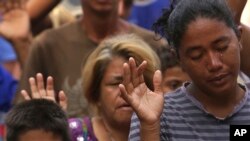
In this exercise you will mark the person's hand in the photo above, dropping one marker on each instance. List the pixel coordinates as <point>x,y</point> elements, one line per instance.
<point>147,104</point>
<point>38,91</point>
<point>15,22</point>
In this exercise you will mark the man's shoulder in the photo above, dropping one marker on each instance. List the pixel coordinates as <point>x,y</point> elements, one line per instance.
<point>58,36</point>
<point>61,32</point>
<point>141,31</point>
<point>150,37</point>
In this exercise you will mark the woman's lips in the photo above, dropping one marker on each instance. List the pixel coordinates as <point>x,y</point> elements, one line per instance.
<point>219,79</point>
<point>124,106</point>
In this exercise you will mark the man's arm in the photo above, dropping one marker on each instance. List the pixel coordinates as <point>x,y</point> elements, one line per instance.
<point>245,66</point>
<point>237,7</point>
<point>245,17</point>
<point>38,9</point>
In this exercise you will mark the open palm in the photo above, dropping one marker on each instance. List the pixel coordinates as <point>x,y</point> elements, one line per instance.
<point>38,91</point>
<point>147,104</point>
<point>15,22</point>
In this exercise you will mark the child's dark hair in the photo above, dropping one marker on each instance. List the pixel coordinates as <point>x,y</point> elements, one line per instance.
<point>34,115</point>
<point>168,58</point>
<point>174,21</point>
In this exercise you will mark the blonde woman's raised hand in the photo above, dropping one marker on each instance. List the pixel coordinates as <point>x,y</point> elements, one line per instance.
<point>39,91</point>
<point>147,104</point>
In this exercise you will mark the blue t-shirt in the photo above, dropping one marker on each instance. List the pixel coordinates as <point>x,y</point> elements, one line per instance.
<point>7,53</point>
<point>145,13</point>
<point>7,89</point>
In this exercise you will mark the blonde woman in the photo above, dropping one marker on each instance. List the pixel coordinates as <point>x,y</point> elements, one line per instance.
<point>102,74</point>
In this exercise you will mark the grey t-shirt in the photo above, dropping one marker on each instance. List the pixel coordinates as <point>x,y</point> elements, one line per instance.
<point>185,119</point>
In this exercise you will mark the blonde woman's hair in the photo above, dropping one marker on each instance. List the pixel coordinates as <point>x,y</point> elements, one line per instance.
<point>125,46</point>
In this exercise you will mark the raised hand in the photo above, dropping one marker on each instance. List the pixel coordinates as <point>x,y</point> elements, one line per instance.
<point>38,91</point>
<point>15,22</point>
<point>147,104</point>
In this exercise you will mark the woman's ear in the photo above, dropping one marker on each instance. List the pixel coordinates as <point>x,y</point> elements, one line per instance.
<point>240,29</point>
<point>240,45</point>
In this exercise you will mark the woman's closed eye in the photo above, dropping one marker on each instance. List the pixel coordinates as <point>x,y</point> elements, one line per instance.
<point>115,83</point>
<point>196,54</point>
<point>222,48</point>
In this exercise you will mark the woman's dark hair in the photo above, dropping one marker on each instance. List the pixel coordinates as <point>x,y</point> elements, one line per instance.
<point>175,20</point>
<point>168,58</point>
<point>37,114</point>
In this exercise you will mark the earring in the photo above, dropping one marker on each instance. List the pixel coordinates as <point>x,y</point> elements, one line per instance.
<point>221,56</point>
<point>240,45</point>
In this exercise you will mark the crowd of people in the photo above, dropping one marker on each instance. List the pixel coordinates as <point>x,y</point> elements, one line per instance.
<point>102,77</point>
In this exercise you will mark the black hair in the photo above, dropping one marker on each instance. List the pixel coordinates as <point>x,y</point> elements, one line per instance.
<point>174,21</point>
<point>34,115</point>
<point>128,3</point>
<point>168,58</point>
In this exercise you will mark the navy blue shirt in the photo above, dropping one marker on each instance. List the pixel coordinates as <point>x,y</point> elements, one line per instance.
<point>145,13</point>
<point>7,89</point>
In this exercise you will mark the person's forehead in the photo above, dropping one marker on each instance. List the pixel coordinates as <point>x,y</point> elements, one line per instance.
<point>115,66</point>
<point>39,135</point>
<point>204,29</point>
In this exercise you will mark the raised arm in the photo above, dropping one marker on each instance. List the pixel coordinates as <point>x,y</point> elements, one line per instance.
<point>237,7</point>
<point>15,27</point>
<point>147,104</point>
<point>38,9</point>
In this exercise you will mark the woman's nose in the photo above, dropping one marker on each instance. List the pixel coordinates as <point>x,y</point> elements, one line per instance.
<point>214,61</point>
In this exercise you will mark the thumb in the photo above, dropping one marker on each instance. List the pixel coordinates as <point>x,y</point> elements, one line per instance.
<point>25,95</point>
<point>63,102</point>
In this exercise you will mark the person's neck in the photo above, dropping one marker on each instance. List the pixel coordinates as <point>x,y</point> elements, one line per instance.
<point>108,132</point>
<point>97,27</point>
<point>117,133</point>
<point>220,105</point>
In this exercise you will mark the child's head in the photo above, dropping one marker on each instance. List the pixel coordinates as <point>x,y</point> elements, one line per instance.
<point>173,75</point>
<point>37,120</point>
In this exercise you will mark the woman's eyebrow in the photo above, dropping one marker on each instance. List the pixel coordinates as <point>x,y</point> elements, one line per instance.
<point>221,39</point>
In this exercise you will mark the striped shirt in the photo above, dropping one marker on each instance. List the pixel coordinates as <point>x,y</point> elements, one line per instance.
<point>185,119</point>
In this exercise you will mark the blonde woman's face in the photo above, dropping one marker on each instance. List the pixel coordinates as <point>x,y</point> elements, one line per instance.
<point>112,106</point>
